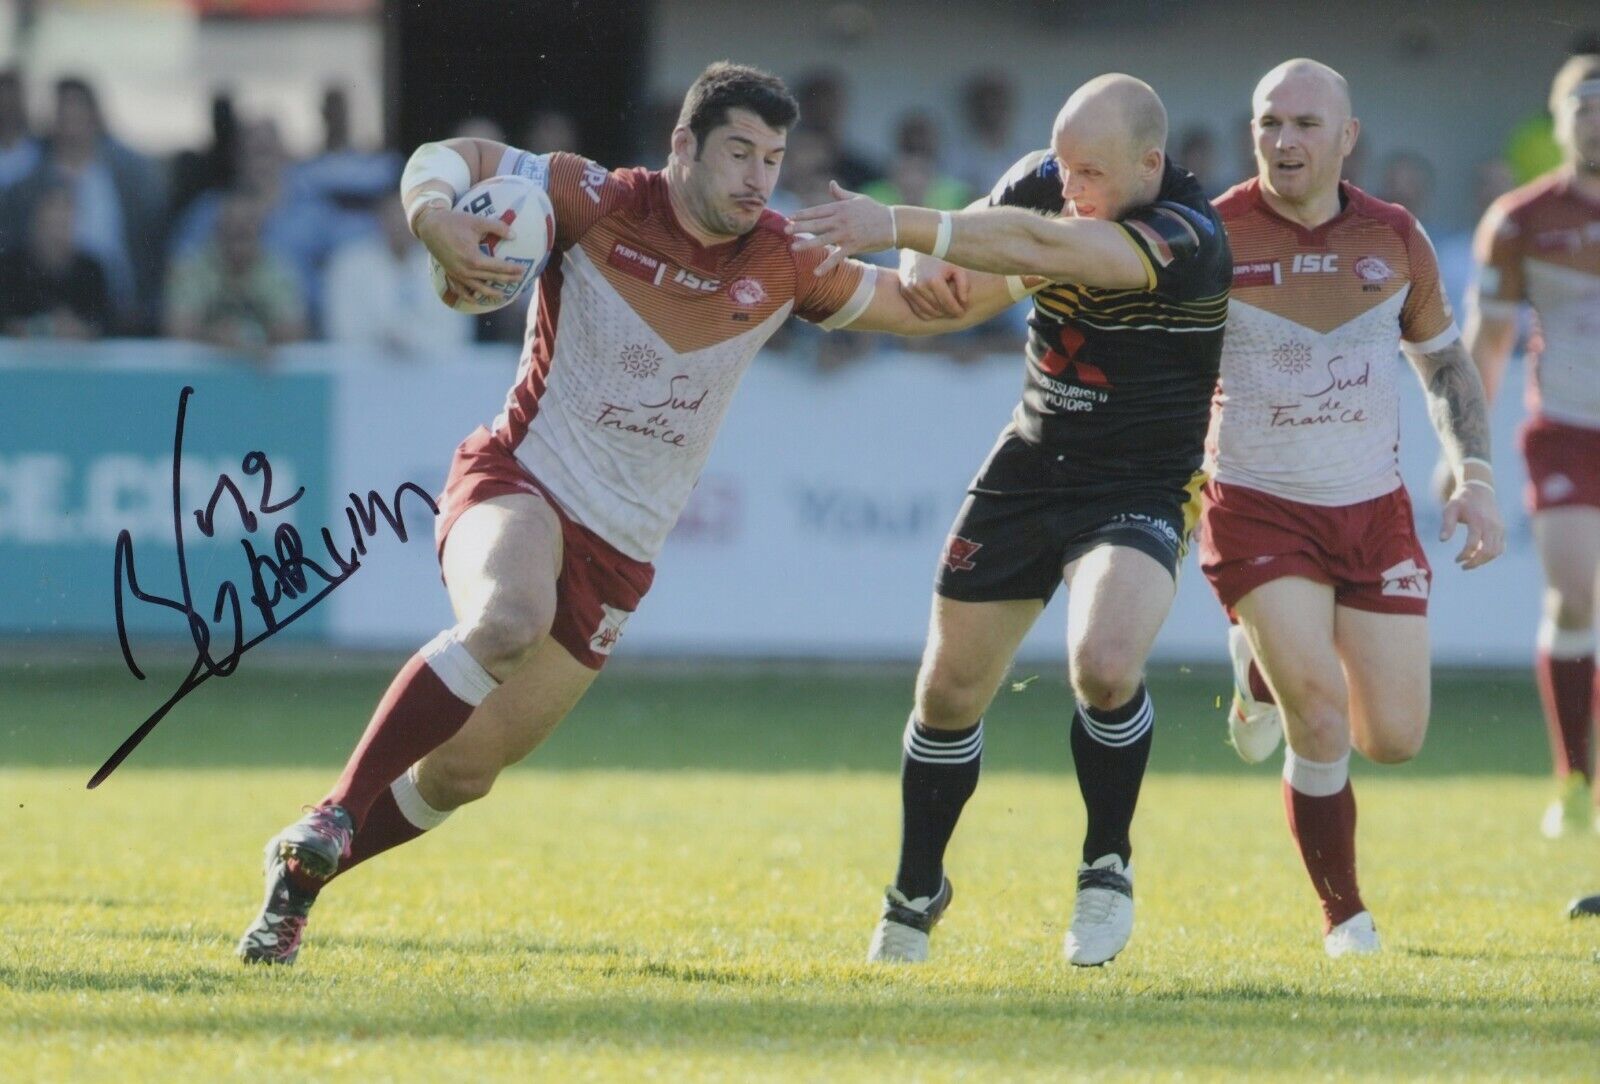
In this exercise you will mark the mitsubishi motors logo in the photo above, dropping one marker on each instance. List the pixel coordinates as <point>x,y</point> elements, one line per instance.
<point>1406,580</point>
<point>1065,361</point>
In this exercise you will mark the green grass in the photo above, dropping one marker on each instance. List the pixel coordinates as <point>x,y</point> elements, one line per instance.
<point>681,885</point>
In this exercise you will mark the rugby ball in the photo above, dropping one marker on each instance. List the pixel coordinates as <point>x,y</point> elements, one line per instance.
<point>523,206</point>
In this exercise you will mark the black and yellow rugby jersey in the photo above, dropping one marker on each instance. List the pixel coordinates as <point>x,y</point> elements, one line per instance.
<point>1120,381</point>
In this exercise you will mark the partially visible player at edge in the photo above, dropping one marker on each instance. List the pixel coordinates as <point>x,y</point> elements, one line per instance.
<point>1540,245</point>
<point>1094,481</point>
<point>661,288</point>
<point>1307,534</point>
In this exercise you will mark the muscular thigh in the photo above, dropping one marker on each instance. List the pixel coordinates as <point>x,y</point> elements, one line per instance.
<point>501,562</point>
<point>970,647</point>
<point>1569,549</point>
<point>1290,622</point>
<point>1118,598</point>
<point>1388,667</point>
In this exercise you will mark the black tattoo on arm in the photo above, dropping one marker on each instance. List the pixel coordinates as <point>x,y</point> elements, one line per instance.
<point>1456,402</point>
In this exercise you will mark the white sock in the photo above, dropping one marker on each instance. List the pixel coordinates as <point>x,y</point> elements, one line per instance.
<point>1315,779</point>
<point>413,806</point>
<point>449,658</point>
<point>1560,643</point>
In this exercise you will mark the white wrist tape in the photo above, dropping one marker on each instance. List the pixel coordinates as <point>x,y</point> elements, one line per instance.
<point>1474,461</point>
<point>1465,482</point>
<point>941,241</point>
<point>414,208</point>
<point>894,230</point>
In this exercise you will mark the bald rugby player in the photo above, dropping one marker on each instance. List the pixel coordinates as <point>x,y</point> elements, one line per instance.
<point>551,518</point>
<point>1307,535</point>
<point>1540,245</point>
<point>1094,482</point>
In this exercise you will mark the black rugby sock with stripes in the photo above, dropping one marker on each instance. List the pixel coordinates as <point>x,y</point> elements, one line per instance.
<point>1110,750</point>
<point>938,773</point>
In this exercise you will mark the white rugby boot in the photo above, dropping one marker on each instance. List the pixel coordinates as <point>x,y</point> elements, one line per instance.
<point>1355,936</point>
<point>1102,915</point>
<point>902,933</point>
<point>1570,811</point>
<point>1254,728</point>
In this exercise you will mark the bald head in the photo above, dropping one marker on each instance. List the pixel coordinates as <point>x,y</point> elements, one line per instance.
<point>1116,107</point>
<point>1303,131</point>
<point>1307,80</point>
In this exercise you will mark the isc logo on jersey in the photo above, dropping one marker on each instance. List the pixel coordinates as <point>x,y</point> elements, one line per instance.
<point>1315,261</point>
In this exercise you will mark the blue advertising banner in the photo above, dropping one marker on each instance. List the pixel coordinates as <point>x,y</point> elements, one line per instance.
<point>87,458</point>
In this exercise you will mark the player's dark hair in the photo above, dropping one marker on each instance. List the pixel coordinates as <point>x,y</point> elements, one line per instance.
<point>724,86</point>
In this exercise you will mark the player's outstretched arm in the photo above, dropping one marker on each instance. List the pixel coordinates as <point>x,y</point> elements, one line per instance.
<point>1460,413</point>
<point>890,311</point>
<point>435,176</point>
<point>1000,240</point>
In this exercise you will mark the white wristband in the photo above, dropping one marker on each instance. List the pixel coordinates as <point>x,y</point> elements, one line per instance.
<point>894,230</point>
<point>427,199</point>
<point>941,241</point>
<point>1465,482</point>
<point>1474,461</point>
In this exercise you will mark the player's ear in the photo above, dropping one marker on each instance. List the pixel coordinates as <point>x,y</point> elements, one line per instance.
<point>1352,130</point>
<point>1154,160</point>
<point>683,144</point>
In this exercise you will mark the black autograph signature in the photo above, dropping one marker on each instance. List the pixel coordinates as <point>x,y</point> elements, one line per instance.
<point>283,575</point>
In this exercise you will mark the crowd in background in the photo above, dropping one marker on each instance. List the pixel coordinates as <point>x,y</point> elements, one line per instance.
<point>242,246</point>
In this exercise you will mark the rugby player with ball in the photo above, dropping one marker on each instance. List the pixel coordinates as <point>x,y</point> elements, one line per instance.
<point>655,289</point>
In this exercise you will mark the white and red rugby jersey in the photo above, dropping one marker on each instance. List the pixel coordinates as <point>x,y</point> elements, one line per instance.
<point>1541,244</point>
<point>1307,406</point>
<point>637,337</point>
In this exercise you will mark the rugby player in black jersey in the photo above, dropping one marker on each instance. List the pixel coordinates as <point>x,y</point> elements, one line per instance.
<point>1094,481</point>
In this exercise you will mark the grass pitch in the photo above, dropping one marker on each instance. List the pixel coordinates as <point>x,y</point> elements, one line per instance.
<point>682,884</point>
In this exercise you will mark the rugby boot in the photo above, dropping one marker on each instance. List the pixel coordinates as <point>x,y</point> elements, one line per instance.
<point>1355,936</point>
<point>1254,728</point>
<point>274,937</point>
<point>1586,907</point>
<point>902,933</point>
<point>1570,812</point>
<point>1102,915</point>
<point>318,841</point>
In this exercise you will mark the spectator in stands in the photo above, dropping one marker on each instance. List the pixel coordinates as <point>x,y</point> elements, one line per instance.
<point>551,130</point>
<point>197,171</point>
<point>351,179</point>
<point>808,165</point>
<point>119,200</point>
<point>1197,153</point>
<point>914,176</point>
<point>20,151</point>
<point>1407,178</point>
<point>52,288</point>
<point>380,294</point>
<point>234,292</point>
<point>988,145</point>
<point>479,127</point>
<point>1244,150</point>
<point>300,227</point>
<point>823,104</point>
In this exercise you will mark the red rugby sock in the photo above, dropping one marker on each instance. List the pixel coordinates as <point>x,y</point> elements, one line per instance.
<point>1258,685</point>
<point>1566,689</point>
<point>428,701</point>
<point>1323,824</point>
